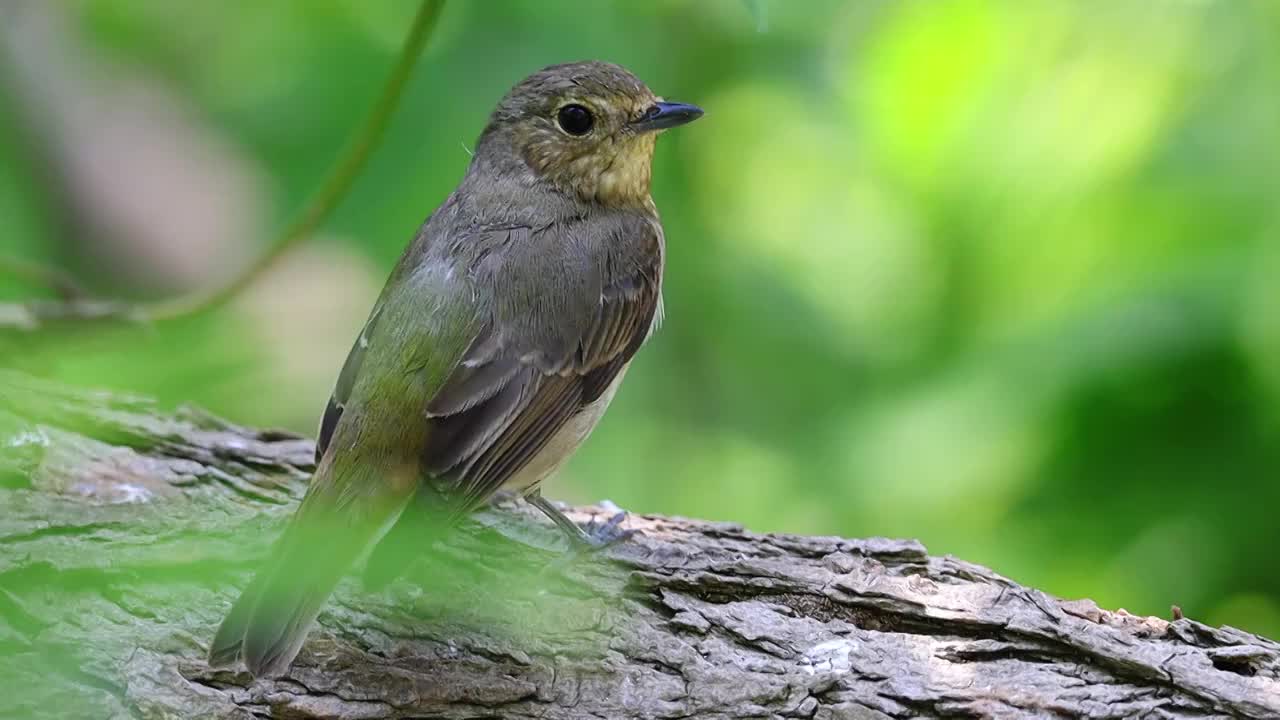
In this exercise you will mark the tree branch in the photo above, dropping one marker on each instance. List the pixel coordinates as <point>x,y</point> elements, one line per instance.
<point>128,531</point>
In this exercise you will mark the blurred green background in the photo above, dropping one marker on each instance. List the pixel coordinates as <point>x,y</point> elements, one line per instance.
<point>1001,276</point>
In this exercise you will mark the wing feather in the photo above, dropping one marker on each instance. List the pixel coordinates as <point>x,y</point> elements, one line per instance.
<point>346,381</point>
<point>514,389</point>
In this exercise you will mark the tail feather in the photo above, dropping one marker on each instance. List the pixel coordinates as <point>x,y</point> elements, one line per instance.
<point>269,622</point>
<point>227,643</point>
<point>425,520</point>
<point>282,617</point>
<point>331,530</point>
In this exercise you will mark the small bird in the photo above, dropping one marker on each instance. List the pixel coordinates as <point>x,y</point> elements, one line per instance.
<point>493,351</point>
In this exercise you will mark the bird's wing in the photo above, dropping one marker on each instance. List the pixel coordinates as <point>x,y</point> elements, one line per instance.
<point>567,320</point>
<point>411,259</point>
<point>346,381</point>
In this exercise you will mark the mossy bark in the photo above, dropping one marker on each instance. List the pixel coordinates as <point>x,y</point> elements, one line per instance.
<point>126,531</point>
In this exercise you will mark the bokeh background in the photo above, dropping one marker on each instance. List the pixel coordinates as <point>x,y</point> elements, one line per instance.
<point>1001,276</point>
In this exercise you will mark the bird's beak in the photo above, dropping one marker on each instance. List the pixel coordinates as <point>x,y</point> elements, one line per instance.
<point>665,115</point>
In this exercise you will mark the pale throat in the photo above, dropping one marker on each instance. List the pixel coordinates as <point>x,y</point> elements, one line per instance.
<point>615,174</point>
<point>626,180</point>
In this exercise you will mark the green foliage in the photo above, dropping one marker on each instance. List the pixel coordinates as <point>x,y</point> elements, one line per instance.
<point>1000,276</point>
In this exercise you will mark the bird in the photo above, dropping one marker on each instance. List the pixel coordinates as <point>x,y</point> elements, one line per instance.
<point>495,347</point>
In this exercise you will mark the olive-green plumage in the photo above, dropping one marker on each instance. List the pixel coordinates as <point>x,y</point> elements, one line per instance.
<point>493,350</point>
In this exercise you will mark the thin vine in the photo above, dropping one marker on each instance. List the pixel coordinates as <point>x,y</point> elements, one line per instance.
<point>339,180</point>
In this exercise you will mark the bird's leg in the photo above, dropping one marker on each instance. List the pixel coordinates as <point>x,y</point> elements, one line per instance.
<point>575,534</point>
<point>596,535</point>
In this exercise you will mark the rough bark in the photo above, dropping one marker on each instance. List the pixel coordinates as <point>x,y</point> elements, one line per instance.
<point>126,531</point>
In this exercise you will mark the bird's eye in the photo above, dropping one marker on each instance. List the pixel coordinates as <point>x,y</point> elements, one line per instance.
<point>575,120</point>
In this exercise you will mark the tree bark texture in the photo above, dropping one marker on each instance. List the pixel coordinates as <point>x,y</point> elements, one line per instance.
<point>126,531</point>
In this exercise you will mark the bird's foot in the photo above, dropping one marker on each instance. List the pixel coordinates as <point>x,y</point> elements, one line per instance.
<point>594,537</point>
<point>599,535</point>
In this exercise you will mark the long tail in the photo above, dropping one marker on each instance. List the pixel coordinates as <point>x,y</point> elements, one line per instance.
<point>334,526</point>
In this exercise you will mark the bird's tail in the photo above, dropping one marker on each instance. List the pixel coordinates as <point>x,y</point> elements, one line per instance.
<point>336,524</point>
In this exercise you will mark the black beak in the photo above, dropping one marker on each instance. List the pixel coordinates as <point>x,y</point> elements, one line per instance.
<point>665,115</point>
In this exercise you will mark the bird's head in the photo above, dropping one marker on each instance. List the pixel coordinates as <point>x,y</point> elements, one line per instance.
<point>587,128</point>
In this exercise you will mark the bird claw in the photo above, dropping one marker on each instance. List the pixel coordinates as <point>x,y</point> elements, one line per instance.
<point>600,535</point>
<point>590,540</point>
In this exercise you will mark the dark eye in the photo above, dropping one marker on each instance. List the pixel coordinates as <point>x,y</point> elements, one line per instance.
<point>575,119</point>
